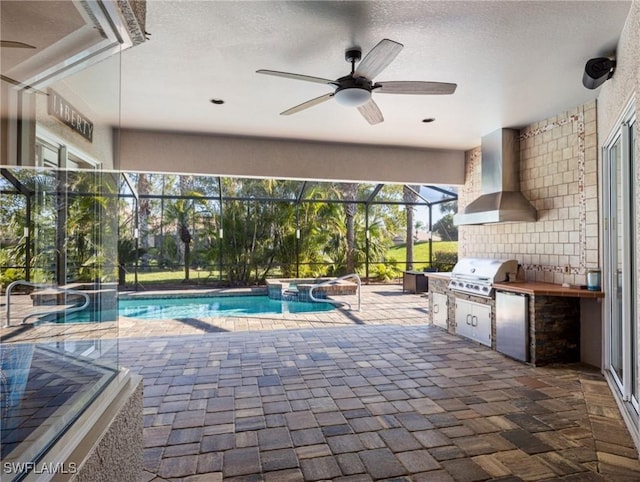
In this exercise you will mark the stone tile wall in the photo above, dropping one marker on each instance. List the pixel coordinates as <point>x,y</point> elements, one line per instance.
<point>302,287</point>
<point>558,174</point>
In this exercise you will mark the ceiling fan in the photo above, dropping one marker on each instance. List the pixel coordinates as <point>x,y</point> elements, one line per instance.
<point>15,44</point>
<point>18,45</point>
<point>355,89</point>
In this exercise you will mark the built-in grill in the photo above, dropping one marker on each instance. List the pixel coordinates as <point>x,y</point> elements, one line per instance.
<point>475,276</point>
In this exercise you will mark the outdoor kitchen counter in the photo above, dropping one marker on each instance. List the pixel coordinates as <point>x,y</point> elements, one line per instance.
<point>539,288</point>
<point>560,320</point>
<point>443,276</point>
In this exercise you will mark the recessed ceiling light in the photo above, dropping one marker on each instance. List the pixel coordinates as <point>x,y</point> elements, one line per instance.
<point>217,101</point>
<point>428,119</point>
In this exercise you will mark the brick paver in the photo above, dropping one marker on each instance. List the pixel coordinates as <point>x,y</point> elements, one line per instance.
<point>369,395</point>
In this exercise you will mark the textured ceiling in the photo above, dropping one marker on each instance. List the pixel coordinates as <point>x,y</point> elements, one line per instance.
<point>514,62</point>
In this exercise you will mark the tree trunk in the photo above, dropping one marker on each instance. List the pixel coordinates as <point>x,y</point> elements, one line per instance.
<point>409,195</point>
<point>409,265</point>
<point>185,237</point>
<point>349,192</point>
<point>122,275</point>
<point>61,230</point>
<point>144,211</point>
<point>187,252</point>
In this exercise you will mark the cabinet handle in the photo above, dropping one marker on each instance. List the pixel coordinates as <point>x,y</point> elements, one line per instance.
<point>474,323</point>
<point>469,317</point>
<point>436,309</point>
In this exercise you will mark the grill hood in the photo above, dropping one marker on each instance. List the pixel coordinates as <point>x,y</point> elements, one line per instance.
<point>501,200</point>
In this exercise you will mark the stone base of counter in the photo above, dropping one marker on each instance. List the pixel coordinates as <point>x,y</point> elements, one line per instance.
<point>554,329</point>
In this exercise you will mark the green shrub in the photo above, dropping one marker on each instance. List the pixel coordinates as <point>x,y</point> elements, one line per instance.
<point>445,261</point>
<point>10,275</point>
<point>385,272</point>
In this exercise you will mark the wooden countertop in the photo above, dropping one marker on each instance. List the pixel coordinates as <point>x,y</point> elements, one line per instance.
<point>534,288</point>
<point>444,275</point>
<point>546,289</point>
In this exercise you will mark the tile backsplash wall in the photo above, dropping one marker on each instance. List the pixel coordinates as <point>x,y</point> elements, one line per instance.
<point>558,174</point>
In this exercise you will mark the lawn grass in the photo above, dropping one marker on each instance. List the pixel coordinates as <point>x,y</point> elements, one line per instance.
<point>421,252</point>
<point>173,276</point>
<point>397,253</point>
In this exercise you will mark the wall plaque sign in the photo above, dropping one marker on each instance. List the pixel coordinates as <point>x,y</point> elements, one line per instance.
<point>62,110</point>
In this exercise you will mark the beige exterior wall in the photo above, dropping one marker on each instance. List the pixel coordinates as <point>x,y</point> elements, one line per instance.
<point>153,151</point>
<point>616,93</point>
<point>100,150</point>
<point>95,93</point>
<point>558,174</point>
<point>615,96</point>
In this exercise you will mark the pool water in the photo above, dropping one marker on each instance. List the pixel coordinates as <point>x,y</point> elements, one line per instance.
<point>220,306</point>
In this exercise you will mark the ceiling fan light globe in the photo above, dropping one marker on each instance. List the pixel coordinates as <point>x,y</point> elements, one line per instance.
<point>352,96</point>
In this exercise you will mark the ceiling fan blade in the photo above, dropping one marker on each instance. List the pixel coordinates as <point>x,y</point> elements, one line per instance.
<point>307,104</point>
<point>16,45</point>
<point>378,59</point>
<point>288,75</point>
<point>371,112</point>
<point>418,88</point>
<point>11,81</point>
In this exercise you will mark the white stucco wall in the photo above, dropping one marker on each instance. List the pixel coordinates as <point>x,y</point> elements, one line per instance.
<point>616,93</point>
<point>154,151</point>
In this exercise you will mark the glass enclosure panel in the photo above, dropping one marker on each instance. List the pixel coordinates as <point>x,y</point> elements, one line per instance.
<point>58,222</point>
<point>334,191</point>
<point>310,227</point>
<point>276,189</point>
<point>59,341</point>
<point>391,193</point>
<point>617,264</point>
<point>366,191</point>
<point>633,196</point>
<point>258,241</point>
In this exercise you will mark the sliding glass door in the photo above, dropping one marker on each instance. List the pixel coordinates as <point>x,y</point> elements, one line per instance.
<point>619,158</point>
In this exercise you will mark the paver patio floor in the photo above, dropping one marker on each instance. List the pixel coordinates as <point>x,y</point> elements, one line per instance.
<point>376,395</point>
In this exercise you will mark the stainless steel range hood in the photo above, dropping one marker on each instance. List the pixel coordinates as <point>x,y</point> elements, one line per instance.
<point>501,200</point>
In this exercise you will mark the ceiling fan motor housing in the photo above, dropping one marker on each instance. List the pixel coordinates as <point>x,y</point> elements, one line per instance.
<point>353,92</point>
<point>353,55</point>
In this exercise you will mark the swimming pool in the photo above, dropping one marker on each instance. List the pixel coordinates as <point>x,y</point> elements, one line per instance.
<point>213,306</point>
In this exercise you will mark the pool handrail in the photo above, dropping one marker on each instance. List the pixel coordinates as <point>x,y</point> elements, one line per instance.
<point>42,286</point>
<point>334,281</point>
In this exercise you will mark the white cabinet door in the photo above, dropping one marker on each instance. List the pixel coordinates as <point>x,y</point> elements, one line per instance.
<point>481,322</point>
<point>440,311</point>
<point>463,318</point>
<point>473,320</point>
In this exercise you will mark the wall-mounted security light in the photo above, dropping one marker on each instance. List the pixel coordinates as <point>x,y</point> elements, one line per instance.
<point>598,71</point>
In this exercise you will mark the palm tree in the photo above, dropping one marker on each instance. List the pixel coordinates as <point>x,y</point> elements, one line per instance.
<point>349,192</point>
<point>409,196</point>
<point>179,212</point>
<point>144,211</point>
<point>127,254</point>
